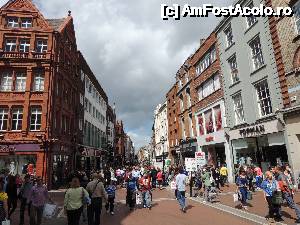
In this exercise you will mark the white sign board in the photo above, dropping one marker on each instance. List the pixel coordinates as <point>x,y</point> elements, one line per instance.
<point>190,164</point>
<point>200,158</point>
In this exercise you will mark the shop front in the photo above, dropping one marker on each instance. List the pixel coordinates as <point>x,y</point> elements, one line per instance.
<point>260,144</point>
<point>21,159</point>
<point>186,149</point>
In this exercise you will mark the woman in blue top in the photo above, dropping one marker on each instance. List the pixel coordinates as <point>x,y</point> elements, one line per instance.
<point>242,186</point>
<point>269,186</point>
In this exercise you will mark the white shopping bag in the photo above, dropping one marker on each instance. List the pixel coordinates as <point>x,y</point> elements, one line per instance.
<point>49,210</point>
<point>173,185</point>
<point>235,197</point>
<point>138,199</point>
<point>6,222</point>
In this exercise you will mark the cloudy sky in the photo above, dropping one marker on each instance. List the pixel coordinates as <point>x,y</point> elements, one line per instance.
<point>133,52</point>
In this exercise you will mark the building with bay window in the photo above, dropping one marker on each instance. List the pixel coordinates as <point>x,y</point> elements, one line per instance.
<point>253,90</point>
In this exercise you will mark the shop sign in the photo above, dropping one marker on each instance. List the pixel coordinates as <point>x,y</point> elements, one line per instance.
<point>209,139</point>
<point>252,130</point>
<point>7,149</point>
<point>200,158</point>
<point>190,164</point>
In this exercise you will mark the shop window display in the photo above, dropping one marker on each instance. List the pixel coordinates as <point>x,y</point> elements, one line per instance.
<point>18,164</point>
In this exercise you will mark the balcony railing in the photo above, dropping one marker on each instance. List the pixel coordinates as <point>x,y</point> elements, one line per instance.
<point>24,55</point>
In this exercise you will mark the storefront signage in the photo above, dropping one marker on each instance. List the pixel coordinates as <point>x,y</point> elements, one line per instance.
<point>209,139</point>
<point>200,158</point>
<point>252,130</point>
<point>190,164</point>
<point>7,149</point>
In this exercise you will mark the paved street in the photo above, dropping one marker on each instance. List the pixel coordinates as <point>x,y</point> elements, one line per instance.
<point>165,211</point>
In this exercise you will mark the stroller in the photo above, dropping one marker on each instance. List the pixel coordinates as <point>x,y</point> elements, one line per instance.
<point>212,194</point>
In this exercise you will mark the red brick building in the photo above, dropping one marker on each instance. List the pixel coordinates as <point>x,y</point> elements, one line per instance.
<point>41,111</point>
<point>120,143</point>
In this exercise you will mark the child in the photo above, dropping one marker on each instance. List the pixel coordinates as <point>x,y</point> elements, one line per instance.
<point>111,192</point>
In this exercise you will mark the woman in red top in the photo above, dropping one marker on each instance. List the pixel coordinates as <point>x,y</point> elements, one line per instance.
<point>159,178</point>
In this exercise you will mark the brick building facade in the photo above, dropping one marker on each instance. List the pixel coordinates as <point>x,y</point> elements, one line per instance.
<point>40,92</point>
<point>119,154</point>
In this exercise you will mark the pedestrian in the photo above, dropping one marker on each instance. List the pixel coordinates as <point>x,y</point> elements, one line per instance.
<point>258,177</point>
<point>159,178</point>
<point>145,186</point>
<point>23,196</point>
<point>3,202</point>
<point>131,191</point>
<point>98,195</point>
<point>216,176</point>
<point>111,194</point>
<point>223,175</point>
<point>153,173</point>
<point>38,196</point>
<point>250,176</point>
<point>242,188</point>
<point>286,186</point>
<point>180,185</point>
<point>12,193</point>
<point>272,197</point>
<point>75,198</point>
<point>208,182</point>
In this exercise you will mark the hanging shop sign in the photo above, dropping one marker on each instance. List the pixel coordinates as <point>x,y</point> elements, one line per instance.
<point>7,149</point>
<point>209,139</point>
<point>259,129</point>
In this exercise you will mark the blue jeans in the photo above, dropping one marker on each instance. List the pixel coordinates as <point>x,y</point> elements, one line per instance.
<point>288,197</point>
<point>146,199</point>
<point>181,198</point>
<point>258,181</point>
<point>243,191</point>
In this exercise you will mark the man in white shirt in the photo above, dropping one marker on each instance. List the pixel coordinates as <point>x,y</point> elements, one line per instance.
<point>180,185</point>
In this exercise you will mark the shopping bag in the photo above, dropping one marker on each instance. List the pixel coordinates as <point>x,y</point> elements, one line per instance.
<point>249,195</point>
<point>235,197</point>
<point>6,222</point>
<point>138,199</point>
<point>173,185</point>
<point>49,210</point>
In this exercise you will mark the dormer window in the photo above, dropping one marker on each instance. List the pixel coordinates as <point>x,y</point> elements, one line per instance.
<point>41,46</point>
<point>12,22</point>
<point>26,23</point>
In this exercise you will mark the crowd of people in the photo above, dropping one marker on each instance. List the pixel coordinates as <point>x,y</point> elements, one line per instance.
<point>86,192</point>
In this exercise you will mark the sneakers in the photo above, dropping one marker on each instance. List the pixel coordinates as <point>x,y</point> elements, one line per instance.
<point>144,206</point>
<point>112,213</point>
<point>183,210</point>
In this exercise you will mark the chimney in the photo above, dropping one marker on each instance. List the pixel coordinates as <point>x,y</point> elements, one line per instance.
<point>202,40</point>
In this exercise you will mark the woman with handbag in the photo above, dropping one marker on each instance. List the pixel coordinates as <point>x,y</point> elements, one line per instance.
<point>75,198</point>
<point>242,188</point>
<point>3,202</point>
<point>273,196</point>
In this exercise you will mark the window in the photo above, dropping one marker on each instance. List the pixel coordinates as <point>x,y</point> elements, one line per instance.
<point>181,103</point>
<point>229,36</point>
<point>3,118</point>
<point>10,45</point>
<point>250,19</point>
<point>218,117</point>
<point>6,81</point>
<point>38,83</point>
<point>209,123</point>
<point>81,99</point>
<point>238,108</point>
<point>12,22</point>
<point>26,23</point>
<point>296,10</point>
<point>209,86</point>
<point>20,81</point>
<point>41,46</point>
<point>206,60</point>
<point>24,45</point>
<point>86,103</point>
<point>17,118</point>
<point>200,125</point>
<point>233,69</point>
<point>257,56</point>
<point>35,118</point>
<point>263,97</point>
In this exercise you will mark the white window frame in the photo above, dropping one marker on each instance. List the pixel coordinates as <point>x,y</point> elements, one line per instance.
<point>39,82</point>
<point>11,45</point>
<point>264,101</point>
<point>256,52</point>
<point>238,108</point>
<point>37,112</point>
<point>296,9</point>
<point>206,60</point>
<point>41,44</point>
<point>6,81</point>
<point>229,36</point>
<point>18,112</point>
<point>233,69</point>
<point>13,22</point>
<point>24,45</point>
<point>26,22</point>
<point>250,20</point>
<point>3,118</point>
<point>20,81</point>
